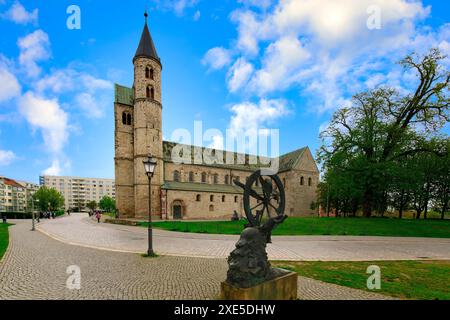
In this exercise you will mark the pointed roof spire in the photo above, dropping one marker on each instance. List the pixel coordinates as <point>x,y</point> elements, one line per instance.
<point>146,46</point>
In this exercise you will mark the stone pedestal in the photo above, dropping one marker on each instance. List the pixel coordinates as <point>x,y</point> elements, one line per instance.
<point>281,288</point>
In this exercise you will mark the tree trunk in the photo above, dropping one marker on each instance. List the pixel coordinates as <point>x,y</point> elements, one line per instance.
<point>418,214</point>
<point>367,203</point>
<point>444,208</point>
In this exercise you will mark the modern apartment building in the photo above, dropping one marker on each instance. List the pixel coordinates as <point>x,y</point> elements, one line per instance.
<point>15,196</point>
<point>77,192</point>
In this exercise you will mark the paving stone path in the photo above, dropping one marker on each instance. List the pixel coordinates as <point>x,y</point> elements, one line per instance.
<point>35,266</point>
<point>80,230</point>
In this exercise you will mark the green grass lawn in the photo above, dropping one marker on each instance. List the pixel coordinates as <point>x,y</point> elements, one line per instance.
<point>323,226</point>
<point>424,280</point>
<point>4,238</point>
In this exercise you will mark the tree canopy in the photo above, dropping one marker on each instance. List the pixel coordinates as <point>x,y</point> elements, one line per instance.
<point>47,199</point>
<point>382,147</point>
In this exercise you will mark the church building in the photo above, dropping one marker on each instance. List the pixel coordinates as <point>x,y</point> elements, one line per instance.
<point>185,191</point>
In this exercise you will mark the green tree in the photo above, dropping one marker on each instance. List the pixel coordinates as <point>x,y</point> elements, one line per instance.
<point>107,204</point>
<point>383,127</point>
<point>92,205</point>
<point>48,199</point>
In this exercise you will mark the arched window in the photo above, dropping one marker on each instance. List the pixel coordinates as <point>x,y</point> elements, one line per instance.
<point>124,118</point>
<point>223,198</point>
<point>216,179</point>
<point>129,119</point>
<point>151,74</point>
<point>147,72</point>
<point>236,199</point>
<point>150,93</point>
<point>176,176</point>
<point>227,179</point>
<point>203,177</point>
<point>199,198</point>
<point>191,176</point>
<point>211,198</point>
<point>302,181</point>
<point>309,182</point>
<point>211,208</point>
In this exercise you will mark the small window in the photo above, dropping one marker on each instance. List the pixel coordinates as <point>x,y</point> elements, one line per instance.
<point>302,181</point>
<point>227,179</point>
<point>191,176</point>
<point>176,176</point>
<point>211,198</point>
<point>124,118</point>
<point>129,119</point>
<point>216,179</point>
<point>147,72</point>
<point>236,199</point>
<point>223,198</point>
<point>199,198</point>
<point>151,74</point>
<point>203,177</point>
<point>310,182</point>
<point>150,93</point>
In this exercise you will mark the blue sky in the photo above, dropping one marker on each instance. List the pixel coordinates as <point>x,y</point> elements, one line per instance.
<point>238,65</point>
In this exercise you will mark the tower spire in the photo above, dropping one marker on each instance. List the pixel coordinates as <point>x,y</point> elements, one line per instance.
<point>146,46</point>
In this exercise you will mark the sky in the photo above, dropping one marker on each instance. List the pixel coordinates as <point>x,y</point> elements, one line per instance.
<point>241,65</point>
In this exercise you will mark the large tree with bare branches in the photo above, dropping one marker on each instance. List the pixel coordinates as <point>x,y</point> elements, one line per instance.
<point>383,126</point>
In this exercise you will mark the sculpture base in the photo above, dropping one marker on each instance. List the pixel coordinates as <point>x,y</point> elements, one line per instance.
<point>281,288</point>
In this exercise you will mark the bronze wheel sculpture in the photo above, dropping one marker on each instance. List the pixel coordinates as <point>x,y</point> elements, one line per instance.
<point>263,195</point>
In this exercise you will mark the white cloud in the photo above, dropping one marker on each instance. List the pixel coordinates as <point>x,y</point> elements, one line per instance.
<point>6,157</point>
<point>91,94</point>
<point>178,6</point>
<point>54,169</point>
<point>33,48</point>
<point>248,117</point>
<point>18,14</point>
<point>197,15</point>
<point>10,87</point>
<point>217,58</point>
<point>281,62</point>
<point>91,107</point>
<point>239,74</point>
<point>47,116</point>
<point>323,48</point>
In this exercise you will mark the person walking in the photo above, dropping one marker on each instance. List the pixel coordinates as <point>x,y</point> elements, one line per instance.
<point>98,216</point>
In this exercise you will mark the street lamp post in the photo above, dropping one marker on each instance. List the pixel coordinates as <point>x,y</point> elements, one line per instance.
<point>150,166</point>
<point>32,214</point>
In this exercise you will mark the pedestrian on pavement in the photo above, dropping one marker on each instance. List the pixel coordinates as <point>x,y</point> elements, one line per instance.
<point>4,218</point>
<point>98,216</point>
<point>68,213</point>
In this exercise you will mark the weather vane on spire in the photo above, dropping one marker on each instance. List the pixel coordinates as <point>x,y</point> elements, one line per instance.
<point>146,15</point>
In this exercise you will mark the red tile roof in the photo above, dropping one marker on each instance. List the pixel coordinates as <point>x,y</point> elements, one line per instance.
<point>12,183</point>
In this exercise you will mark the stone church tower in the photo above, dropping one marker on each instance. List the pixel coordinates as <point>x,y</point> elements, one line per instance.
<point>138,132</point>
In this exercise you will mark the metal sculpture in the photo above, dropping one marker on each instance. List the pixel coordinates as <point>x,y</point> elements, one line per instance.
<point>248,263</point>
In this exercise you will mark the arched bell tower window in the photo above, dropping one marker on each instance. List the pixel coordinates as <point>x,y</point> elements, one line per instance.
<point>149,74</point>
<point>176,176</point>
<point>150,93</point>
<point>129,119</point>
<point>124,118</point>
<point>302,181</point>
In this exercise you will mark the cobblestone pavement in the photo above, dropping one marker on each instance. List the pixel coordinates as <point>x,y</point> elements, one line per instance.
<point>80,230</point>
<point>35,265</point>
